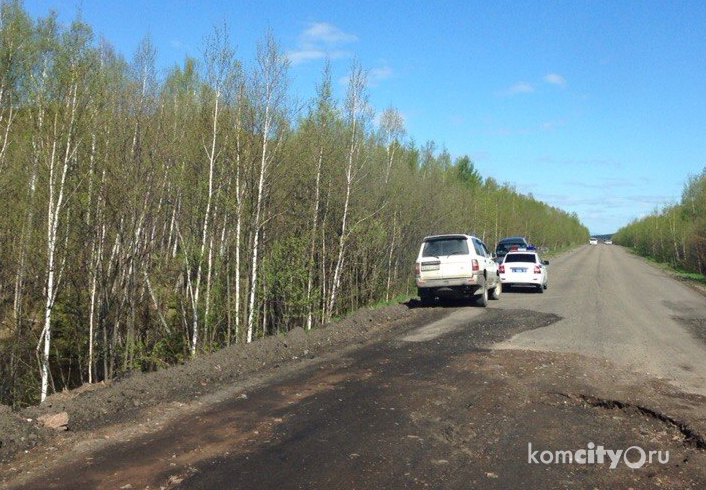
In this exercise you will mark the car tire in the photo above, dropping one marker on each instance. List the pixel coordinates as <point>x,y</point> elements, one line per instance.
<point>540,288</point>
<point>482,298</point>
<point>426,299</point>
<point>495,292</point>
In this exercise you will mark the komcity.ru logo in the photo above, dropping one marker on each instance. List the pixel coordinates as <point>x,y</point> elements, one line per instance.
<point>633,457</point>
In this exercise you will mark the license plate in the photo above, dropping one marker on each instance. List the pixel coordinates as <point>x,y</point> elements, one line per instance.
<point>519,269</point>
<point>431,267</point>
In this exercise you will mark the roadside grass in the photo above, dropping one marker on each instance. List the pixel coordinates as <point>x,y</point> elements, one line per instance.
<point>557,251</point>
<point>690,277</point>
<point>400,298</point>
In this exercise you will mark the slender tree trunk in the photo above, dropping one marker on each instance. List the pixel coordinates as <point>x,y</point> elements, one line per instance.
<point>312,249</point>
<point>55,206</point>
<point>256,221</point>
<point>344,219</point>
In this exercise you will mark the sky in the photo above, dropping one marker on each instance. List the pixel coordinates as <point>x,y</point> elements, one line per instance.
<point>597,107</point>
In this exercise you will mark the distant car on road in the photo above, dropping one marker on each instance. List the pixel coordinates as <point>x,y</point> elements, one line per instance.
<point>524,268</point>
<point>608,242</point>
<point>506,244</point>
<point>593,241</point>
<point>456,265</point>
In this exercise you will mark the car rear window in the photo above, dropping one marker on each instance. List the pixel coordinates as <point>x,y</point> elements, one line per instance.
<point>445,246</point>
<point>505,246</point>
<point>521,258</point>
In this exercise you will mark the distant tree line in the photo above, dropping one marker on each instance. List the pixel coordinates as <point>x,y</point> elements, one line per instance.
<point>147,219</point>
<point>675,234</point>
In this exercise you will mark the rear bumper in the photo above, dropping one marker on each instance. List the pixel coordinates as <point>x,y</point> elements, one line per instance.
<point>520,278</point>
<point>444,283</point>
<point>462,286</point>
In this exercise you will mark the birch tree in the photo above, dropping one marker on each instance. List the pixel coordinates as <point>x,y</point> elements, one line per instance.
<point>270,91</point>
<point>321,121</point>
<point>356,110</point>
<point>392,128</point>
<point>218,57</point>
<point>59,152</point>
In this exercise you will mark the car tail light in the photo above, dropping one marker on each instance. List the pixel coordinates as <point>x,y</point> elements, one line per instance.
<point>501,269</point>
<point>537,269</point>
<point>417,269</point>
<point>474,264</point>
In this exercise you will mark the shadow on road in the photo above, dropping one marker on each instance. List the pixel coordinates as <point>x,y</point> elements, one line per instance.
<point>520,289</point>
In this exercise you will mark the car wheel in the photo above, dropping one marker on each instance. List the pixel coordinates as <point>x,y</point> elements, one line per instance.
<point>540,288</point>
<point>482,298</point>
<point>495,292</point>
<point>426,299</point>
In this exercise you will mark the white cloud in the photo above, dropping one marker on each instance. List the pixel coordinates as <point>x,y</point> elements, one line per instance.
<point>518,88</point>
<point>380,73</point>
<point>327,34</point>
<point>303,55</point>
<point>555,79</point>
<point>320,40</point>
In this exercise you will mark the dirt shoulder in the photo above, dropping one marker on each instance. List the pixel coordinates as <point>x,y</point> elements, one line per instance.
<point>430,407</point>
<point>94,406</point>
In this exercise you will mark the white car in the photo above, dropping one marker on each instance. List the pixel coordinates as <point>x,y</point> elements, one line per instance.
<point>456,265</point>
<point>593,241</point>
<point>524,268</point>
<point>608,242</point>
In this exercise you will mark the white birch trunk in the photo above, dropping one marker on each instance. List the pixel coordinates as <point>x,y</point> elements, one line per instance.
<point>55,205</point>
<point>314,226</point>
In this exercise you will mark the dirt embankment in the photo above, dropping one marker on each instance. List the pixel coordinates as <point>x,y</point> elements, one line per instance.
<point>93,406</point>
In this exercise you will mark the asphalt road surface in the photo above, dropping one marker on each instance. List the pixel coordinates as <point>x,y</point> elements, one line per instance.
<point>612,354</point>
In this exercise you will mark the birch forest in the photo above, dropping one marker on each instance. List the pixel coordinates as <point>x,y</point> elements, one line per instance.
<point>148,216</point>
<point>674,234</point>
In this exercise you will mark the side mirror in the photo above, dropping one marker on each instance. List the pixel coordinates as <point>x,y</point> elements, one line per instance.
<point>493,256</point>
<point>545,262</point>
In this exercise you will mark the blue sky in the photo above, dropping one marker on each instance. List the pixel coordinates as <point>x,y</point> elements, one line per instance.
<point>595,107</point>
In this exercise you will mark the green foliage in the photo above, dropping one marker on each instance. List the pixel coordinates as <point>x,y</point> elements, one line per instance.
<point>285,273</point>
<point>156,234</point>
<point>676,234</point>
<point>467,172</point>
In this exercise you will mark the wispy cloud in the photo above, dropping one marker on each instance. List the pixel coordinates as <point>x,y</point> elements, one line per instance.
<point>523,87</point>
<point>379,73</point>
<point>517,88</point>
<point>550,125</point>
<point>320,40</point>
<point>554,79</point>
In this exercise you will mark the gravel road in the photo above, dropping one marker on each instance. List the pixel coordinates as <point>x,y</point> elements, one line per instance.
<point>618,307</point>
<point>610,355</point>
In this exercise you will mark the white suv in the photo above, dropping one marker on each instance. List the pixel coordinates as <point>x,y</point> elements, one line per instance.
<point>456,265</point>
